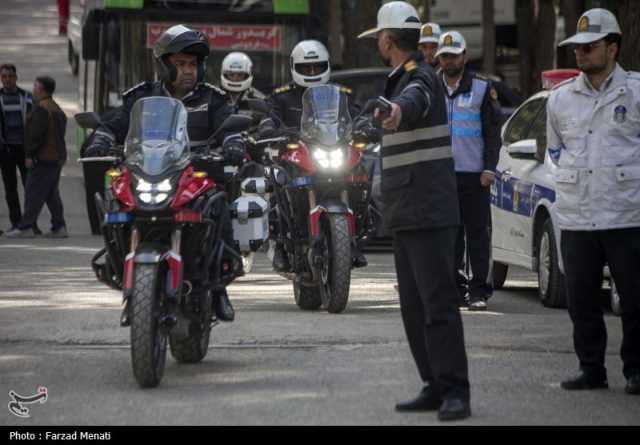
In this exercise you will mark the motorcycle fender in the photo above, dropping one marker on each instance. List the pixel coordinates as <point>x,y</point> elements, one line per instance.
<point>144,255</point>
<point>335,207</point>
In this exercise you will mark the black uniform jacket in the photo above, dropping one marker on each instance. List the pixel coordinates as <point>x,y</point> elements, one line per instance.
<point>419,189</point>
<point>285,105</point>
<point>206,105</point>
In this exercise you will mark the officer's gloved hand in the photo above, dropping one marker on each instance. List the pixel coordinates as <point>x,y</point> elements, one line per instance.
<point>365,127</point>
<point>234,150</point>
<point>101,145</point>
<point>267,129</point>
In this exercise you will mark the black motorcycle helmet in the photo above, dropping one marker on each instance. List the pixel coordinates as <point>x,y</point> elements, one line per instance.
<point>180,39</point>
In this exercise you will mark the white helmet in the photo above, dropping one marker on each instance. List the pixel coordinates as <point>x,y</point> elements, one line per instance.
<point>236,63</point>
<point>310,52</point>
<point>394,15</point>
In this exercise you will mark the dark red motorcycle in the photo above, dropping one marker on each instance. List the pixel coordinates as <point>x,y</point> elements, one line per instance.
<point>162,227</point>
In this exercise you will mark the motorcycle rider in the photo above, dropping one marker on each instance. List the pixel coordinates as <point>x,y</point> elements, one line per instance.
<point>236,79</point>
<point>310,66</point>
<point>181,59</point>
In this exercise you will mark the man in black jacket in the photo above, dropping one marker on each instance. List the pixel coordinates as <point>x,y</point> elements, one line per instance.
<point>474,117</point>
<point>421,210</point>
<point>46,153</point>
<point>180,56</point>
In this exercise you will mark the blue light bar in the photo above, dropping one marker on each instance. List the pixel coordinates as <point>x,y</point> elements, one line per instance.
<point>118,218</point>
<point>303,181</point>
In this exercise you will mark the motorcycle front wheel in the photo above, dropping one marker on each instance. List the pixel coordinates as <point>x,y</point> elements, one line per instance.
<point>148,342</point>
<point>336,270</point>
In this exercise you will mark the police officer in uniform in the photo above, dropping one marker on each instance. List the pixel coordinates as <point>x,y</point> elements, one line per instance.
<point>236,79</point>
<point>421,210</point>
<point>180,54</point>
<point>429,39</point>
<point>593,136</point>
<point>474,118</point>
<point>310,66</point>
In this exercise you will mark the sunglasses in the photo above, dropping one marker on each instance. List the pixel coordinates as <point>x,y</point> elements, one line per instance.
<point>586,48</point>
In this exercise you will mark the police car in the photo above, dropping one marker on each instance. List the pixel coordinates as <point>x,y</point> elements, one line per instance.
<point>525,231</point>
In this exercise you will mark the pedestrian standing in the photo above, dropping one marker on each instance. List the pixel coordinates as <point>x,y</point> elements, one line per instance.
<point>15,105</point>
<point>593,136</point>
<point>46,153</point>
<point>474,119</point>
<point>63,17</point>
<point>421,210</point>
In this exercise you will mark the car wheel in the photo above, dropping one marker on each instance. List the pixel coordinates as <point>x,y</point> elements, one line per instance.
<point>551,288</point>
<point>499,274</point>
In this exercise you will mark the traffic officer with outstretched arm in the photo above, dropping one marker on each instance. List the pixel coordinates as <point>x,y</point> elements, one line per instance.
<point>421,210</point>
<point>593,136</point>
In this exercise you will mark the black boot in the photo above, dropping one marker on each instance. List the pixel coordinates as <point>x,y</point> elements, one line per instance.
<point>280,259</point>
<point>223,308</point>
<point>358,259</point>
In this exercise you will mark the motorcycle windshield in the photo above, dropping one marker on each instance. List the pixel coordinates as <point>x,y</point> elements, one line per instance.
<point>325,116</point>
<point>157,140</point>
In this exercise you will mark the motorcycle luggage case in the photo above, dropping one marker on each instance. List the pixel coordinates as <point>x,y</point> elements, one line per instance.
<point>250,220</point>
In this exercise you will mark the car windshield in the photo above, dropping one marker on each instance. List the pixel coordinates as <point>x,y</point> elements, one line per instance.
<point>157,140</point>
<point>325,116</point>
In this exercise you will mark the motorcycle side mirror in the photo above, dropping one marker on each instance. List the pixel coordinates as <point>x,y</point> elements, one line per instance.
<point>236,123</point>
<point>89,120</point>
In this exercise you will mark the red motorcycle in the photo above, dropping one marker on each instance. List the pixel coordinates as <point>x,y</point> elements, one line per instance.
<point>322,194</point>
<point>162,228</point>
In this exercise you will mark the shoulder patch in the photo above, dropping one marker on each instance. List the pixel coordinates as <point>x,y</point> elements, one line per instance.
<point>493,93</point>
<point>139,87</point>
<point>411,65</point>
<point>346,90</point>
<point>282,89</point>
<point>633,75</point>
<point>216,89</point>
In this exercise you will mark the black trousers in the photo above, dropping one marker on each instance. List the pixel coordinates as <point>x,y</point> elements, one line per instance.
<point>43,187</point>
<point>584,255</point>
<point>11,160</point>
<point>475,211</point>
<point>428,302</point>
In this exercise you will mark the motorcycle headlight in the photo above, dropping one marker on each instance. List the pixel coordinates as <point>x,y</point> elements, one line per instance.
<point>329,159</point>
<point>144,186</point>
<point>151,193</point>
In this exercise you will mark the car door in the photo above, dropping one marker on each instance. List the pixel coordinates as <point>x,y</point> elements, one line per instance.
<point>512,205</point>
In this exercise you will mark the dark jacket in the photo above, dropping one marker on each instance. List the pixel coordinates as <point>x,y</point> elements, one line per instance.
<point>491,117</point>
<point>285,105</point>
<point>46,128</point>
<point>241,104</point>
<point>419,189</point>
<point>206,105</point>
<point>28,106</point>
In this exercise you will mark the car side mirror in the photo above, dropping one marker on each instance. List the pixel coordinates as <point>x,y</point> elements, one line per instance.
<point>525,149</point>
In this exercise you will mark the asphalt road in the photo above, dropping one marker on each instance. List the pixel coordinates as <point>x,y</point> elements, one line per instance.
<point>275,365</point>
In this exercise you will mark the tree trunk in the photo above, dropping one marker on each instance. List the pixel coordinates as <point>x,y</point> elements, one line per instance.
<point>335,34</point>
<point>488,37</point>
<point>545,45</point>
<point>629,17</point>
<point>524,19</point>
<point>358,16</point>
<point>571,11</point>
